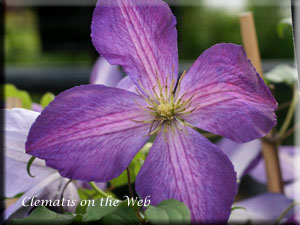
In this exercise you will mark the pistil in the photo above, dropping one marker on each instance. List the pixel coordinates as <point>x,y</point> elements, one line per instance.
<point>165,107</point>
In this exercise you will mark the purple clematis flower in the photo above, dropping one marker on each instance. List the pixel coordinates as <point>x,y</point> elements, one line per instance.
<point>92,132</point>
<point>244,157</point>
<point>247,159</point>
<point>262,209</point>
<point>289,156</point>
<point>47,183</point>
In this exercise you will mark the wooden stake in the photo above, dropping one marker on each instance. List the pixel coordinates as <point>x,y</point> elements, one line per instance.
<point>272,165</point>
<point>269,149</point>
<point>13,103</point>
<point>250,40</point>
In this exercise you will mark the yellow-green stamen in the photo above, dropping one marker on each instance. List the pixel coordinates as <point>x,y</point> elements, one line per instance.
<point>165,107</point>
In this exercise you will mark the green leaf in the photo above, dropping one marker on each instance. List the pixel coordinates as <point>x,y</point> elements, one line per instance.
<point>282,74</point>
<point>19,195</point>
<point>237,207</point>
<point>42,215</point>
<point>283,24</point>
<point>168,212</point>
<point>46,99</point>
<point>100,209</point>
<point>29,163</point>
<point>134,167</point>
<point>10,91</point>
<point>123,215</point>
<point>80,210</point>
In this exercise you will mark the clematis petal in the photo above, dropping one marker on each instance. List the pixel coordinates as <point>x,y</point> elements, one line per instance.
<point>288,156</point>
<point>230,98</point>
<point>261,209</point>
<point>295,218</point>
<point>140,36</point>
<point>104,73</point>
<point>55,189</point>
<point>292,190</point>
<point>17,125</point>
<point>127,84</point>
<point>33,191</point>
<point>18,120</point>
<point>88,132</point>
<point>49,188</point>
<point>16,178</point>
<point>36,107</point>
<point>45,180</point>
<point>190,169</point>
<point>243,156</point>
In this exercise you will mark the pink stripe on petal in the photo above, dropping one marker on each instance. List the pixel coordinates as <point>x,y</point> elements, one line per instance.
<point>88,132</point>
<point>230,98</point>
<point>190,169</point>
<point>139,35</point>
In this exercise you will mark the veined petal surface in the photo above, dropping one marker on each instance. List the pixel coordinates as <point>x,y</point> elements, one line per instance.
<point>88,132</point>
<point>191,169</point>
<point>229,97</point>
<point>139,35</point>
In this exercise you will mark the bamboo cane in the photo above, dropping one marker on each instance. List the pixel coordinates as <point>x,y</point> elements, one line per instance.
<point>13,103</point>
<point>269,148</point>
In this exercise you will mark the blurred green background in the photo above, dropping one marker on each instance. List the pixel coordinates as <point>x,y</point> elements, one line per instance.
<point>48,36</point>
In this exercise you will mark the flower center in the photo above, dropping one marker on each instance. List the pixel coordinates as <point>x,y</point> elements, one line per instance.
<point>166,110</point>
<point>166,107</point>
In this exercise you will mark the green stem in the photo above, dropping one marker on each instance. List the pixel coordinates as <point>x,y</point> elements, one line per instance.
<point>62,195</point>
<point>283,106</point>
<point>98,190</point>
<point>129,183</point>
<point>285,212</point>
<point>290,132</point>
<point>290,113</point>
<point>131,195</point>
<point>29,163</point>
